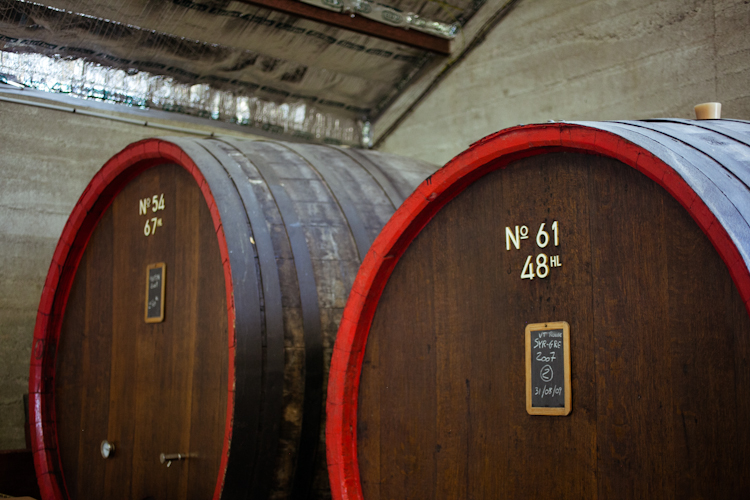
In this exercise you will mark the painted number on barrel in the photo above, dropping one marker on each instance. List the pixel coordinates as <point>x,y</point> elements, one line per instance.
<point>539,265</point>
<point>148,206</point>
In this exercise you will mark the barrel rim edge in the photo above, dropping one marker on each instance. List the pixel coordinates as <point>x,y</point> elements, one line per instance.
<point>96,198</point>
<point>484,156</point>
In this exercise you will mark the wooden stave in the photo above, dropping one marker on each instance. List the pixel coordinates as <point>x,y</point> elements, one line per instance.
<point>711,180</point>
<point>626,142</point>
<point>117,173</point>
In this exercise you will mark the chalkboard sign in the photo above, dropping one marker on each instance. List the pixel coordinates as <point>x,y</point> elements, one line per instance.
<point>155,276</point>
<point>548,369</point>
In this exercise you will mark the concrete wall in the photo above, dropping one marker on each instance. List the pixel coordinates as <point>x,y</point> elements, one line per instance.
<point>586,60</point>
<point>46,160</point>
<point>548,59</point>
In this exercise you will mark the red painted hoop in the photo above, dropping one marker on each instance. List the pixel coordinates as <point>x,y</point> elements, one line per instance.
<point>96,198</point>
<point>491,153</point>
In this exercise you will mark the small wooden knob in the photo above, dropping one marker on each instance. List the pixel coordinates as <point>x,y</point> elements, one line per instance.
<point>708,111</point>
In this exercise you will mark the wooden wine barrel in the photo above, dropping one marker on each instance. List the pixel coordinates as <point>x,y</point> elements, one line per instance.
<point>633,237</point>
<point>187,321</point>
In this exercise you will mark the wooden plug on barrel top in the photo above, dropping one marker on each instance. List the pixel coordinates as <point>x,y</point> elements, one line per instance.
<point>708,111</point>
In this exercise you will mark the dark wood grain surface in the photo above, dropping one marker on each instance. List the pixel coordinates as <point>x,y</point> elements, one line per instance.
<point>282,224</point>
<point>322,209</point>
<point>659,354</point>
<point>147,388</point>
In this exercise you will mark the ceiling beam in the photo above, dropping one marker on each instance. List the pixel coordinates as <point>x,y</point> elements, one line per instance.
<point>359,24</point>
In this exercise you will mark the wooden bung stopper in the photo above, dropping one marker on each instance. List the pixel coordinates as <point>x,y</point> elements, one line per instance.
<point>708,111</point>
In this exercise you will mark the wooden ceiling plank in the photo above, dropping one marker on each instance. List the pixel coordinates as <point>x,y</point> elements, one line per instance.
<point>358,24</point>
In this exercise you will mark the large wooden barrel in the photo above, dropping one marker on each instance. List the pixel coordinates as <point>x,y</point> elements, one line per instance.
<point>631,236</point>
<point>190,311</point>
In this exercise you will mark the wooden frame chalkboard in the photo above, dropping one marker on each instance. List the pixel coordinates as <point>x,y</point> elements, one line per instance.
<point>156,275</point>
<point>548,390</point>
